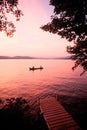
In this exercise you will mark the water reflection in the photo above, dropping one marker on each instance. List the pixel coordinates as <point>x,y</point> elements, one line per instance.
<point>56,77</point>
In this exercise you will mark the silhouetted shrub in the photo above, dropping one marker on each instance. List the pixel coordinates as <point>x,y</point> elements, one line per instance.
<point>16,114</point>
<point>13,114</point>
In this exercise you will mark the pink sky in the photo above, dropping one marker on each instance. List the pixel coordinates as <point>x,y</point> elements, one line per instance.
<point>29,39</point>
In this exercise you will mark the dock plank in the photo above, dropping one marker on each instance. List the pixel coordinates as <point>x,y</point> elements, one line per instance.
<point>56,117</point>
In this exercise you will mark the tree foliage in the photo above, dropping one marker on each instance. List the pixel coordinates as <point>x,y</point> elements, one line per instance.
<point>9,7</point>
<point>69,20</point>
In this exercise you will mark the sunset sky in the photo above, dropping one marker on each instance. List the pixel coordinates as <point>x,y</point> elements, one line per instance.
<point>29,39</point>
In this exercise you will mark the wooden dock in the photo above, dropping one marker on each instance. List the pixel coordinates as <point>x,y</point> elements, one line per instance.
<point>56,117</point>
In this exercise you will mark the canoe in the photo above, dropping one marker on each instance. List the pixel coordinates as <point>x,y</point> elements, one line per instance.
<point>34,68</point>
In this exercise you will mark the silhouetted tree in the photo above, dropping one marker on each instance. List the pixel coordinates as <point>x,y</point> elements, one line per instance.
<point>8,7</point>
<point>70,21</point>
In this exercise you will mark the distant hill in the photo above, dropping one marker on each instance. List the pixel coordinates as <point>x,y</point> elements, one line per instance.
<point>67,57</point>
<point>16,57</point>
<point>28,57</point>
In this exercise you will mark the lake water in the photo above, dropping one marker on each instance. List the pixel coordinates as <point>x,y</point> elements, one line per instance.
<point>57,78</point>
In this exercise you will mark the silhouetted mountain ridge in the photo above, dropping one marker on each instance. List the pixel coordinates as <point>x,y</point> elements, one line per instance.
<point>29,57</point>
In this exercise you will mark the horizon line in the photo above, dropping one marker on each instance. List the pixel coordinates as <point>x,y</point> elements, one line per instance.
<point>33,57</point>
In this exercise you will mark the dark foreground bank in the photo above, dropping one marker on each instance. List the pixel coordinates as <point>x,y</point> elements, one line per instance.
<point>17,113</point>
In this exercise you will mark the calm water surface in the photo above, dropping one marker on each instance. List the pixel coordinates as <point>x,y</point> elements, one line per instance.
<point>57,77</point>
